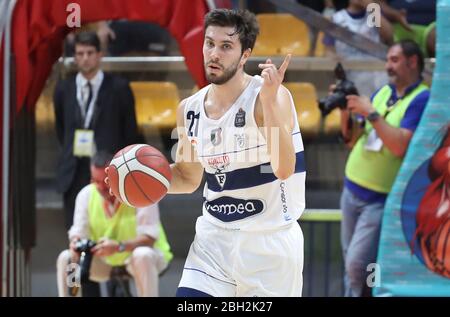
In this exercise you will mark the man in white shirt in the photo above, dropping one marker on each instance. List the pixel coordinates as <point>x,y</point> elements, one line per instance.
<point>355,18</point>
<point>124,236</point>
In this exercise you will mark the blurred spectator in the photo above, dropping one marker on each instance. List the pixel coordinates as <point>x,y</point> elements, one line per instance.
<point>261,6</point>
<point>421,12</point>
<point>340,4</point>
<point>69,41</point>
<point>354,18</point>
<point>316,5</point>
<point>421,17</point>
<point>329,9</point>
<point>124,37</point>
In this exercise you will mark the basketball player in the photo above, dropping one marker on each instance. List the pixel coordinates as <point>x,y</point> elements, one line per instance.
<point>242,133</point>
<point>248,241</point>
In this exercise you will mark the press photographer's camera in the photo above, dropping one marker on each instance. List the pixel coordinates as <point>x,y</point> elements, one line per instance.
<point>343,88</point>
<point>84,247</point>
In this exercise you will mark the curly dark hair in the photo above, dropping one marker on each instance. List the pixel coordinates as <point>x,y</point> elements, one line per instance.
<point>243,21</point>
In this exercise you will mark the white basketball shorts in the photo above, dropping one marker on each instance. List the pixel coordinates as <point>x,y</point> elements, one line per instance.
<point>228,263</point>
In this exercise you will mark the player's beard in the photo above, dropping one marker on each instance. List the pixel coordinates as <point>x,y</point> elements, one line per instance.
<point>228,73</point>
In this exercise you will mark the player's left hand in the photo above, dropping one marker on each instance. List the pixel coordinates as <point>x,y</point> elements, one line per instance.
<point>105,247</point>
<point>273,78</point>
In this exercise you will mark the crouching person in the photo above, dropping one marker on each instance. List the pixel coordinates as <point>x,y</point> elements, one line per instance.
<point>107,234</point>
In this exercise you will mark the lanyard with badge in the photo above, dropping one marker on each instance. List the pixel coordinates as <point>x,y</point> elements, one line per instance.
<point>374,143</point>
<point>83,144</point>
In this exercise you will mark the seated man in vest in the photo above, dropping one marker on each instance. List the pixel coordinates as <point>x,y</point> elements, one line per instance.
<point>379,143</point>
<point>124,236</point>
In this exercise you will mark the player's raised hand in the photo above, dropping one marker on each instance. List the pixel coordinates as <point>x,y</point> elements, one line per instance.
<point>273,78</point>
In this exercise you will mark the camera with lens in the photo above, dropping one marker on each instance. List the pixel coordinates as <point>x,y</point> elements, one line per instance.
<point>84,247</point>
<point>338,98</point>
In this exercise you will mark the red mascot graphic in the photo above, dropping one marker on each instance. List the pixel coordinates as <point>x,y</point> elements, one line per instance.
<point>433,215</point>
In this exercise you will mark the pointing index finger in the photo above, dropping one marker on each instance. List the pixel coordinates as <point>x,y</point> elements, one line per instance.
<point>285,64</point>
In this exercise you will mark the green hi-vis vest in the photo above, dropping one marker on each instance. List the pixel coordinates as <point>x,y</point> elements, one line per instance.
<point>377,170</point>
<point>121,227</point>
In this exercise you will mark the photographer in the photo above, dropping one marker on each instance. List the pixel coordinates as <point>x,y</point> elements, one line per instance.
<point>123,235</point>
<point>378,130</point>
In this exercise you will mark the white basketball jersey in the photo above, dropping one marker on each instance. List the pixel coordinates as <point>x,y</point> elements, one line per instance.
<point>241,191</point>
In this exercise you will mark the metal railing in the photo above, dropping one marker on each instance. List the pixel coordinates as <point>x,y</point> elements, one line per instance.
<point>323,264</point>
<point>176,63</point>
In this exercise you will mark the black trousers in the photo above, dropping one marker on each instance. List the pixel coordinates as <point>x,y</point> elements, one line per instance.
<point>82,178</point>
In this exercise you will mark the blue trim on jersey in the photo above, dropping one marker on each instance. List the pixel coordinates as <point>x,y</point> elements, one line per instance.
<point>237,151</point>
<point>233,152</point>
<point>190,292</point>
<point>250,177</point>
<point>203,272</point>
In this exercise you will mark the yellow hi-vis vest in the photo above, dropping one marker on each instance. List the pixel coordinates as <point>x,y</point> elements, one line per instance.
<point>121,227</point>
<point>377,170</point>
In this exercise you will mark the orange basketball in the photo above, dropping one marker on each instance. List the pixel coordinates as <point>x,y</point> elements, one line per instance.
<point>139,175</point>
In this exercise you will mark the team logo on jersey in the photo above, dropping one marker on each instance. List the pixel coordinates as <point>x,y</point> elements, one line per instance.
<point>229,209</point>
<point>221,178</point>
<point>219,162</point>
<point>216,136</point>
<point>239,120</point>
<point>240,140</point>
<point>284,204</point>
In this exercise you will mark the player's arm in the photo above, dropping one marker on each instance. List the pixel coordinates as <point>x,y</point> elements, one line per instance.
<point>187,172</point>
<point>278,119</point>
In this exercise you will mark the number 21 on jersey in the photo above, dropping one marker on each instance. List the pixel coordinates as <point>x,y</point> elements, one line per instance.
<point>193,124</point>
